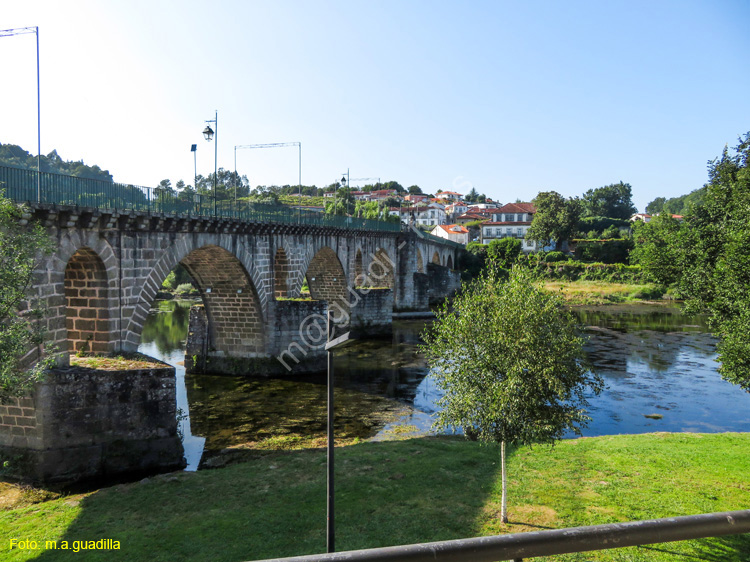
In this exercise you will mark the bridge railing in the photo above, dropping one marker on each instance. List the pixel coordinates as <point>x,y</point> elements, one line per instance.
<point>29,186</point>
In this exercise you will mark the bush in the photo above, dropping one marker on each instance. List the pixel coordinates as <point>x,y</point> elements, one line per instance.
<point>186,289</point>
<point>606,251</point>
<point>576,270</point>
<point>169,282</point>
<point>505,251</point>
<point>552,257</point>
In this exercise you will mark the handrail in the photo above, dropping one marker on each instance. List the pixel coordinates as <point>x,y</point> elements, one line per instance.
<point>548,543</point>
<point>21,185</point>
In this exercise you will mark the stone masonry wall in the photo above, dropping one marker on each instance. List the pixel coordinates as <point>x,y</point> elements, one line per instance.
<point>92,423</point>
<point>19,423</point>
<point>372,312</point>
<point>444,282</point>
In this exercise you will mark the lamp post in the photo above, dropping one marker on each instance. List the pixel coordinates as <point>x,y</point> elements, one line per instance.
<point>22,31</point>
<point>209,133</point>
<point>194,150</point>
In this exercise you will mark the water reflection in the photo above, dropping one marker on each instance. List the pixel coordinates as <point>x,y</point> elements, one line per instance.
<point>653,360</point>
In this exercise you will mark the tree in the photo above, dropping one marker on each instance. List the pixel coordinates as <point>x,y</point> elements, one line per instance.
<point>415,190</point>
<point>716,246</point>
<point>614,201</point>
<point>20,331</point>
<point>341,204</point>
<point>556,218</point>
<point>510,364</point>
<point>658,249</point>
<point>471,197</point>
<point>505,251</point>
<point>656,205</point>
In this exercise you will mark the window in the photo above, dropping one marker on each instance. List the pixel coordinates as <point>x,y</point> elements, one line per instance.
<point>520,231</point>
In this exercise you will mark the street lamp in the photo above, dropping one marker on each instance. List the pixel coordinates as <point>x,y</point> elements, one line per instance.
<point>209,133</point>
<point>22,31</point>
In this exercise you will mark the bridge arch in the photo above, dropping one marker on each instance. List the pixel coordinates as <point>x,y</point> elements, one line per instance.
<point>236,256</point>
<point>87,303</point>
<point>327,281</point>
<point>436,258</point>
<point>232,305</point>
<point>449,262</point>
<point>420,261</point>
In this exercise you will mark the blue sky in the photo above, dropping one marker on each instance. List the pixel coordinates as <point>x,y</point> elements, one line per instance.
<point>511,98</point>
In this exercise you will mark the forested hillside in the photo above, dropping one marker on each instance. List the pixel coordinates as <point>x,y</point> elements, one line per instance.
<point>15,156</point>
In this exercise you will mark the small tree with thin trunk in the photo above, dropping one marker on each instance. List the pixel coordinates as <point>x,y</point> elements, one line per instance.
<point>508,358</point>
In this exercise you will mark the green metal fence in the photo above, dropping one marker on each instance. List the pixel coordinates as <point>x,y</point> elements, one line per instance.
<point>23,185</point>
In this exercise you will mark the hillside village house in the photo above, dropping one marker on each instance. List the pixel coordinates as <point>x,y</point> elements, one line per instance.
<point>449,196</point>
<point>455,209</point>
<point>412,198</point>
<point>431,215</point>
<point>452,232</point>
<point>511,221</point>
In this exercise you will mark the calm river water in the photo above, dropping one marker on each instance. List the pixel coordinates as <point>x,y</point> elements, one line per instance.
<point>654,361</point>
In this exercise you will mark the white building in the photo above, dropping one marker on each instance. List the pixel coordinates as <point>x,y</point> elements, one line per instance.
<point>431,215</point>
<point>453,232</point>
<point>511,221</point>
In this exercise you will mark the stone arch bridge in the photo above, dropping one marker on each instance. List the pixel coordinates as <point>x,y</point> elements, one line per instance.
<point>108,266</point>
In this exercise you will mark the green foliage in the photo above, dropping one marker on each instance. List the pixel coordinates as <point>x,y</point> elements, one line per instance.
<point>507,356</point>
<point>169,282</point>
<point>504,252</point>
<point>676,205</point>
<point>472,261</point>
<point>614,200</point>
<point>576,270</point>
<point>552,257</point>
<point>658,249</point>
<point>510,363</point>
<point>716,246</point>
<point>600,224</point>
<point>556,218</point>
<point>17,157</point>
<point>606,251</point>
<point>185,289</point>
<point>20,331</point>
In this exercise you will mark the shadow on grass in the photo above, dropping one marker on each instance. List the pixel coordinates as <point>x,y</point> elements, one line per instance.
<point>387,493</point>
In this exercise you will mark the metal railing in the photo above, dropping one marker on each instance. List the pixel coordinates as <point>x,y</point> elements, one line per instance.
<point>21,185</point>
<point>520,546</point>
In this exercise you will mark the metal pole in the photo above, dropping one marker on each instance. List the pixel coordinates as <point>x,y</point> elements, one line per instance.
<point>38,127</point>
<point>299,168</point>
<point>330,530</point>
<point>216,152</point>
<point>235,176</point>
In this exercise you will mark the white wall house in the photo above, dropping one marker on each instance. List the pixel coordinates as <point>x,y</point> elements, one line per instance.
<point>427,215</point>
<point>511,221</point>
<point>453,232</point>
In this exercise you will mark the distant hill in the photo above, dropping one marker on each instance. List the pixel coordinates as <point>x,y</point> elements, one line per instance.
<point>15,156</point>
<point>676,205</point>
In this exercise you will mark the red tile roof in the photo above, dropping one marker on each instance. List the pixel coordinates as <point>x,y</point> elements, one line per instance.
<point>450,228</point>
<point>517,208</point>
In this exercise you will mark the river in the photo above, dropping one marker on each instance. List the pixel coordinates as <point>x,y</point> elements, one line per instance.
<point>659,368</point>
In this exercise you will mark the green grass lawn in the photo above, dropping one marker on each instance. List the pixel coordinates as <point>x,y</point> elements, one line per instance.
<point>403,492</point>
<point>603,292</point>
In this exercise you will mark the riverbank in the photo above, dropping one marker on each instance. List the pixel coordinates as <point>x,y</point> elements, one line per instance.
<point>400,492</point>
<point>604,293</point>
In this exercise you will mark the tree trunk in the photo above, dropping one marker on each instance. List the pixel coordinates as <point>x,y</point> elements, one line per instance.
<point>504,500</point>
